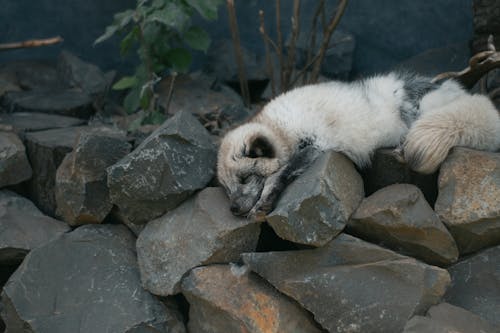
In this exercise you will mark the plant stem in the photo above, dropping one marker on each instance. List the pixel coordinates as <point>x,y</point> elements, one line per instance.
<point>30,43</point>
<point>265,37</point>
<point>237,52</point>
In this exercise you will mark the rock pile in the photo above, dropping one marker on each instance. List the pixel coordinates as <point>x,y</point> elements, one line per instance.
<point>126,237</point>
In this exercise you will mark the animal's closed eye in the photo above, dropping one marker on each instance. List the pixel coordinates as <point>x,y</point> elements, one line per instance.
<point>245,179</point>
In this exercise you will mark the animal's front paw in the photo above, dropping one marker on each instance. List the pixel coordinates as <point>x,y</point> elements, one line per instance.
<point>259,211</point>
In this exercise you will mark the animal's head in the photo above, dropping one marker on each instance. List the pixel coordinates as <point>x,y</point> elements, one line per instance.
<point>247,156</point>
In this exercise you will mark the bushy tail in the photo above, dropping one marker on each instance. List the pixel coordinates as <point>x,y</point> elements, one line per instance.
<point>469,121</point>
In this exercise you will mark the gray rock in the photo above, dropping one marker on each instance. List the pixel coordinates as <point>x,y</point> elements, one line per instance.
<point>353,286</point>
<point>216,303</point>
<point>316,206</point>
<point>46,150</point>
<point>70,103</point>
<point>447,318</point>
<point>77,73</point>
<point>399,217</point>
<point>469,198</point>
<point>386,170</point>
<point>85,281</point>
<point>38,75</point>
<point>200,231</point>
<point>14,164</point>
<point>33,121</point>
<point>197,93</point>
<point>23,227</point>
<point>81,191</point>
<point>475,285</point>
<point>164,170</point>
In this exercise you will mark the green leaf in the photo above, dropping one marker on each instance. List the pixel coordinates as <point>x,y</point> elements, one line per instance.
<point>171,16</point>
<point>129,39</point>
<point>119,22</point>
<point>132,101</point>
<point>154,118</point>
<point>179,59</point>
<point>197,39</point>
<point>125,83</point>
<point>206,8</point>
<point>136,123</point>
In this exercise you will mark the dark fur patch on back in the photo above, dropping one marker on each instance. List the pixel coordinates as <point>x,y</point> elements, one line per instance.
<point>261,147</point>
<point>415,87</point>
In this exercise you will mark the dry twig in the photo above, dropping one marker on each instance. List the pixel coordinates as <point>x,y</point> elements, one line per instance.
<point>480,64</point>
<point>267,41</point>
<point>245,92</point>
<point>30,43</point>
<point>290,63</point>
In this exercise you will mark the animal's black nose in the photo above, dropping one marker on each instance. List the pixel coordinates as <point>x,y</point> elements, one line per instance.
<point>235,208</point>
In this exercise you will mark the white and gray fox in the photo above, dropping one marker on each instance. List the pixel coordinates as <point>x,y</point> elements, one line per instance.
<point>258,159</point>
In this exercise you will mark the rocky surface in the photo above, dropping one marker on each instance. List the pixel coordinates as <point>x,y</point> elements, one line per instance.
<point>475,284</point>
<point>386,169</point>
<point>32,121</point>
<point>353,286</point>
<point>23,227</point>
<point>170,246</point>
<point>90,283</point>
<point>446,318</point>
<point>227,298</point>
<point>398,216</point>
<point>14,164</point>
<point>164,170</point>
<point>46,150</point>
<point>63,102</point>
<point>469,198</point>
<point>316,206</point>
<point>81,191</point>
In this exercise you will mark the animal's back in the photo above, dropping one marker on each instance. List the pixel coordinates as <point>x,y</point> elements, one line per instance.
<point>350,117</point>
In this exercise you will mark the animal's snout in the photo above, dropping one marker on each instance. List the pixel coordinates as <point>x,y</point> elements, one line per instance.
<point>235,209</point>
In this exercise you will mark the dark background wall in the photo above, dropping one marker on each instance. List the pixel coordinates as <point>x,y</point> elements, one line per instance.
<point>386,31</point>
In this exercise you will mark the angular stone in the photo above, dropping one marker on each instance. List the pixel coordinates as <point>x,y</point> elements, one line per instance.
<point>316,206</point>
<point>164,170</point>
<point>33,121</point>
<point>353,286</point>
<point>14,164</point>
<point>469,198</point>
<point>77,73</point>
<point>386,170</point>
<point>63,102</point>
<point>46,150</point>
<point>197,93</point>
<point>216,303</point>
<point>475,284</point>
<point>445,317</point>
<point>81,192</point>
<point>32,74</point>
<point>85,281</point>
<point>200,231</point>
<point>399,217</point>
<point>23,227</point>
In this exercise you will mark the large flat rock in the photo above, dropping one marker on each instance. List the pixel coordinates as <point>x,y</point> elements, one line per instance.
<point>164,170</point>
<point>23,228</point>
<point>353,286</point>
<point>200,231</point>
<point>85,281</point>
<point>46,150</point>
<point>33,121</point>
<point>14,164</point>
<point>469,198</point>
<point>216,303</point>
<point>399,217</point>
<point>316,206</point>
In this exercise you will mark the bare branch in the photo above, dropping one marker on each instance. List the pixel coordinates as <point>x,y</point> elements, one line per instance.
<point>290,64</point>
<point>327,34</point>
<point>280,43</point>
<point>269,64</point>
<point>30,43</point>
<point>320,9</point>
<point>170,92</point>
<point>245,92</point>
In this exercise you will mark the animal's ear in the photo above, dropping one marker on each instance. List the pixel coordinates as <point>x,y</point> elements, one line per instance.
<point>260,147</point>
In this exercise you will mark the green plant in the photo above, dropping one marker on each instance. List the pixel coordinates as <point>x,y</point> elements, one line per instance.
<point>165,35</point>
